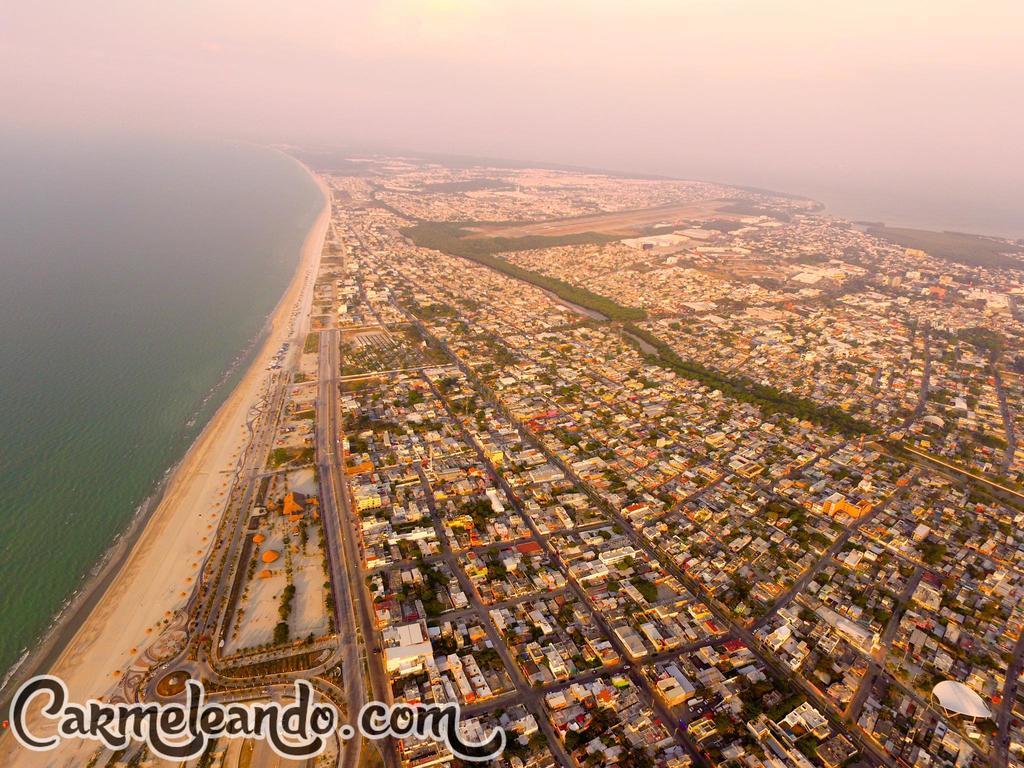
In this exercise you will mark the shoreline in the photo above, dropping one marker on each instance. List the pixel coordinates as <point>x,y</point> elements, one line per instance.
<point>74,611</point>
<point>85,617</point>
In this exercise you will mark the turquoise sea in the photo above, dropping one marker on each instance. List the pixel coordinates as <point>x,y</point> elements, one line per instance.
<point>134,277</point>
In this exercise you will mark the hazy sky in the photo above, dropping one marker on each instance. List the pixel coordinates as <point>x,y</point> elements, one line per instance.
<point>865,99</point>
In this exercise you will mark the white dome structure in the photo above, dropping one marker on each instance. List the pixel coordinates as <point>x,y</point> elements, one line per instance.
<point>955,698</point>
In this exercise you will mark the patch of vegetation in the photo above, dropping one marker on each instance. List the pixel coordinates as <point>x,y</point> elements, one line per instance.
<point>746,390</point>
<point>281,633</point>
<point>281,456</point>
<point>332,161</point>
<point>645,588</point>
<point>312,343</point>
<point>972,250</point>
<point>469,185</point>
<point>933,552</point>
<point>747,208</point>
<point>983,338</point>
<point>723,225</point>
<point>206,760</point>
<point>450,237</point>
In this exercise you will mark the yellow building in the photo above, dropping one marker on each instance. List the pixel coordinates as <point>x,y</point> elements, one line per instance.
<point>837,504</point>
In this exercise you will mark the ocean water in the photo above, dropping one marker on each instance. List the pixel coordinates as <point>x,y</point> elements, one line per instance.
<point>910,200</point>
<point>134,275</point>
<point>994,211</point>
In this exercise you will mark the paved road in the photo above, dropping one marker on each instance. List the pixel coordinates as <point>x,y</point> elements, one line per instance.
<point>946,468</point>
<point>328,457</point>
<point>525,693</point>
<point>722,614</point>
<point>1000,754</point>
<point>246,485</point>
<point>345,544</point>
<point>219,578</point>
<point>1004,407</point>
<point>853,709</point>
<point>926,376</point>
<point>667,717</point>
<point>209,599</point>
<point>801,583</point>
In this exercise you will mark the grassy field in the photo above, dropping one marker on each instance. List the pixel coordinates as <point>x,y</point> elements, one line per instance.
<point>454,237</point>
<point>448,238</point>
<point>470,185</point>
<point>281,456</point>
<point>746,208</point>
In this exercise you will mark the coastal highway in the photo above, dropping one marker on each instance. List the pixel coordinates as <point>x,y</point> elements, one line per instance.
<point>328,458</point>
<point>343,545</point>
<point>353,608</point>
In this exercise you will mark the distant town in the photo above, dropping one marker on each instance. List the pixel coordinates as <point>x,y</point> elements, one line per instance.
<point>648,473</point>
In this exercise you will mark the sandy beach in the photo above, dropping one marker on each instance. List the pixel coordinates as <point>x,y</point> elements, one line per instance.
<point>159,573</point>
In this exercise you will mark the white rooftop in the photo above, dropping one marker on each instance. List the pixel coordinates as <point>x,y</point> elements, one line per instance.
<point>954,696</point>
